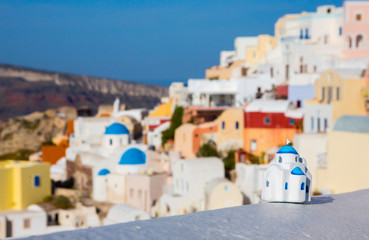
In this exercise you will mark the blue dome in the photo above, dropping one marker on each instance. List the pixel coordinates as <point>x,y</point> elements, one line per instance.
<point>116,128</point>
<point>103,172</point>
<point>287,149</point>
<point>133,156</point>
<point>297,171</point>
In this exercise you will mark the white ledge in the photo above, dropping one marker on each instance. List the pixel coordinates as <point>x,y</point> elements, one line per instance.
<point>341,216</point>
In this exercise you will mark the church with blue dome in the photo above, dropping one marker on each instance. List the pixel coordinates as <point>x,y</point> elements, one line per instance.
<point>116,135</point>
<point>287,178</point>
<point>116,129</point>
<point>133,156</point>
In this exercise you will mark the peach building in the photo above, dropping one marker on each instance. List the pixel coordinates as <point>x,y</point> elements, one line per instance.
<point>356,29</point>
<point>189,138</point>
<point>197,115</point>
<point>230,129</point>
<point>268,123</point>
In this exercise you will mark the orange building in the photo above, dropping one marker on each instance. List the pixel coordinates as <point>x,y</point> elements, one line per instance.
<point>268,124</point>
<point>189,138</point>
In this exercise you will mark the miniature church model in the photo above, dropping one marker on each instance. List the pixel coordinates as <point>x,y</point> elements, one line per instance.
<point>287,179</point>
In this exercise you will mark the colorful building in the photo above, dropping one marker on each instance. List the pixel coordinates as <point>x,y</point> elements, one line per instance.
<point>268,123</point>
<point>347,162</point>
<point>26,183</point>
<point>337,93</point>
<point>189,138</point>
<point>356,29</point>
<point>230,129</point>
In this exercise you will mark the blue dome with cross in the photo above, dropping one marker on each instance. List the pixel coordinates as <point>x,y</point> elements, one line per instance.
<point>287,150</point>
<point>133,156</point>
<point>116,129</point>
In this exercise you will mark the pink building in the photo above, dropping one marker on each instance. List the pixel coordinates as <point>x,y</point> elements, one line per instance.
<point>144,190</point>
<point>356,29</point>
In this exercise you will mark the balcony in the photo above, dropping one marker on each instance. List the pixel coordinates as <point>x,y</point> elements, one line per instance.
<point>341,216</point>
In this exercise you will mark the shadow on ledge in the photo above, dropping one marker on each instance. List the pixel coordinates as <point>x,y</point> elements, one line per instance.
<point>321,200</point>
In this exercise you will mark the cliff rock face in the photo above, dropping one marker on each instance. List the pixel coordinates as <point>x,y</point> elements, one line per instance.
<point>25,90</point>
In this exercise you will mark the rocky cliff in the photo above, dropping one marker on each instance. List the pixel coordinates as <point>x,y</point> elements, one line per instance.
<point>25,90</point>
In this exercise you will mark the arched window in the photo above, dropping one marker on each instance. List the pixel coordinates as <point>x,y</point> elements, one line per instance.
<point>237,125</point>
<point>348,42</point>
<point>111,141</point>
<point>302,186</point>
<point>359,41</point>
<point>286,186</point>
<point>296,159</point>
<point>280,159</point>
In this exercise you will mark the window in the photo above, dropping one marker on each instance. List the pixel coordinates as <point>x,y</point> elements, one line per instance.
<point>111,141</point>
<point>315,69</point>
<point>301,33</point>
<point>302,186</point>
<point>253,145</point>
<point>329,94</point>
<point>36,181</point>
<point>280,159</point>
<point>26,223</point>
<point>300,160</point>
<point>312,123</point>
<point>359,41</point>
<point>329,10</point>
<point>139,194</point>
<point>358,17</point>
<point>296,159</point>
<point>223,125</point>
<point>307,34</point>
<point>349,42</point>
<point>323,91</point>
<point>267,184</point>
<point>271,72</point>
<point>318,124</point>
<point>286,186</point>
<point>292,121</point>
<point>237,125</point>
<point>287,72</point>
<point>226,188</point>
<point>340,31</point>
<point>325,124</point>
<point>267,121</point>
<point>337,93</point>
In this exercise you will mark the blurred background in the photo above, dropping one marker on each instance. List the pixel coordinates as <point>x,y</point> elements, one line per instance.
<point>114,111</point>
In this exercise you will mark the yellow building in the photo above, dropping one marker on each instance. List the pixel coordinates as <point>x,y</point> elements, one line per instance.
<point>163,110</point>
<point>342,91</point>
<point>347,161</point>
<point>230,129</point>
<point>23,183</point>
<point>265,44</point>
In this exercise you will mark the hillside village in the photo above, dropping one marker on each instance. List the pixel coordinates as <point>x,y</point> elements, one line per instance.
<point>208,143</point>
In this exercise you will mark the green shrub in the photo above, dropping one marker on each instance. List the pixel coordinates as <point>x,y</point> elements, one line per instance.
<point>175,122</point>
<point>208,150</point>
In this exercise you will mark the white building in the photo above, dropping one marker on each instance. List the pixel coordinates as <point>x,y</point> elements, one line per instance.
<point>22,223</point>
<point>79,217</point>
<point>121,213</point>
<point>287,179</point>
<point>250,180</point>
<point>195,183</point>
<point>154,137</point>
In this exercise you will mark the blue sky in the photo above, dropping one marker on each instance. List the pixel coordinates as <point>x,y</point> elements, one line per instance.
<point>144,41</point>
